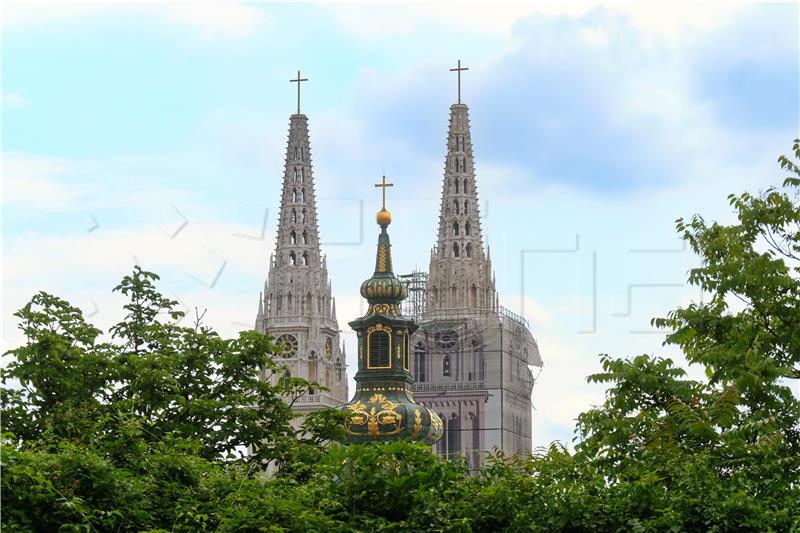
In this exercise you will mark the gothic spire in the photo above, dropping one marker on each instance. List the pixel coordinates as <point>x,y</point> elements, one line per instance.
<point>459,247</point>
<point>298,236</point>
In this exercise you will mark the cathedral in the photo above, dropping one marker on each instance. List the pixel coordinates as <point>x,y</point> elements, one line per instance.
<point>464,361</point>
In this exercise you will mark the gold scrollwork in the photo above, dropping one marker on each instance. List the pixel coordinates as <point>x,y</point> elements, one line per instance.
<point>387,415</point>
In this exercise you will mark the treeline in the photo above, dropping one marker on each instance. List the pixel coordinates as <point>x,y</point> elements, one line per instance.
<point>145,431</point>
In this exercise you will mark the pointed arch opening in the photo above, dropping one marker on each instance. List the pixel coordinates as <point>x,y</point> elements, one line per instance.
<point>303,216</point>
<point>294,195</point>
<point>302,195</point>
<point>304,237</point>
<point>465,185</point>
<point>292,238</point>
<point>469,249</point>
<point>455,182</point>
<point>455,228</point>
<point>292,259</point>
<point>455,206</point>
<point>466,207</point>
<point>302,174</point>
<point>467,229</point>
<point>294,174</point>
<point>420,363</point>
<point>455,249</point>
<point>305,262</point>
<point>446,365</point>
<point>293,216</point>
<point>338,369</point>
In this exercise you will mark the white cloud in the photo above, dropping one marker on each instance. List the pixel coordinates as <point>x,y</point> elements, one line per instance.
<point>665,20</point>
<point>31,182</point>
<point>211,19</point>
<point>14,100</point>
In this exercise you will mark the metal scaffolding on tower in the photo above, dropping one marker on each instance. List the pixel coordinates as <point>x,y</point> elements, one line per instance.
<point>414,305</point>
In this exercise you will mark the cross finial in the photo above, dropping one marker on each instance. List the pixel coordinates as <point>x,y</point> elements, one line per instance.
<point>297,81</point>
<point>383,186</point>
<point>458,70</point>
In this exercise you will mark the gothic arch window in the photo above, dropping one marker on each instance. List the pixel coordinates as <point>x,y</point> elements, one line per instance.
<point>473,291</point>
<point>302,174</point>
<point>303,216</point>
<point>302,153</point>
<point>289,303</point>
<point>466,206</point>
<point>454,436</point>
<point>294,215</point>
<point>302,195</point>
<point>292,238</point>
<point>304,239</point>
<point>469,248</point>
<point>294,195</point>
<point>446,365</point>
<point>465,188</point>
<point>455,228</point>
<point>463,164</point>
<point>295,153</point>
<point>441,446</point>
<point>305,262</point>
<point>338,369</point>
<point>455,249</point>
<point>466,227</point>
<point>292,259</point>
<point>455,206</point>
<point>406,351</point>
<point>420,356</point>
<point>307,309</point>
<point>455,182</point>
<point>294,174</point>
<point>379,347</point>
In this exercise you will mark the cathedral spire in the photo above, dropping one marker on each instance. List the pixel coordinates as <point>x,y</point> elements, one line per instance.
<point>296,308</point>
<point>460,271</point>
<point>298,236</point>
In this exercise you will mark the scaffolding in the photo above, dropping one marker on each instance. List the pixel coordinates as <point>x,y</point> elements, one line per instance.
<point>414,305</point>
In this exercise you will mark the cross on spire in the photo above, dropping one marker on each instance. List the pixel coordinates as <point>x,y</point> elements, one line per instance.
<point>297,81</point>
<point>383,186</point>
<point>458,70</point>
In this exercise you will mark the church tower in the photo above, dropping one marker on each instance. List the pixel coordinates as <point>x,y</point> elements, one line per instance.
<point>296,307</point>
<point>471,358</point>
<point>383,407</point>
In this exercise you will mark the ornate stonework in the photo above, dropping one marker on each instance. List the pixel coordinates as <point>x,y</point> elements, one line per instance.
<point>296,306</point>
<point>471,358</point>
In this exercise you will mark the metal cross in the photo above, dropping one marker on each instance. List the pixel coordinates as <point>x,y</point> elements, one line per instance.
<point>459,69</point>
<point>297,81</point>
<point>383,186</point>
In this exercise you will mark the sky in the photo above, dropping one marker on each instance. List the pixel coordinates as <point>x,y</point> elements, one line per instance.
<point>154,134</point>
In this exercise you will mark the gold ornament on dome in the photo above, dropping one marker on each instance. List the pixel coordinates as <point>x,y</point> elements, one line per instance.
<point>378,411</point>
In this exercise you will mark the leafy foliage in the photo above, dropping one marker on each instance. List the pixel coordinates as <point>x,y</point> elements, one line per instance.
<point>145,431</point>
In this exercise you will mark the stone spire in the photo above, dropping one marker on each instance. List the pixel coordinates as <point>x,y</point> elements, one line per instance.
<point>460,273</point>
<point>297,307</point>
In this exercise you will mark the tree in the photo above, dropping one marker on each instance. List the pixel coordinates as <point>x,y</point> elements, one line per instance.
<point>141,432</point>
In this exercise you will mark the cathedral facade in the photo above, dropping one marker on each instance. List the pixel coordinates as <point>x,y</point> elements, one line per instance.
<point>296,306</point>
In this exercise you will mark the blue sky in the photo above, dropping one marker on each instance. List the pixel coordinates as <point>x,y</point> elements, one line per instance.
<point>155,133</point>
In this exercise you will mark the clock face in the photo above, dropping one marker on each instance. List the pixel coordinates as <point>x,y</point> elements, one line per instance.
<point>287,345</point>
<point>328,348</point>
<point>447,338</point>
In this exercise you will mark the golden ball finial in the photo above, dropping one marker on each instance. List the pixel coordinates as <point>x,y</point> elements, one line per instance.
<point>383,217</point>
